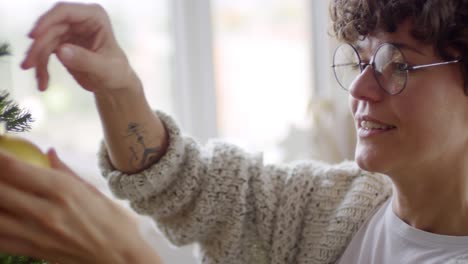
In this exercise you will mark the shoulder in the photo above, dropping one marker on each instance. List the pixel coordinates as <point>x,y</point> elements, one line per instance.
<point>333,184</point>
<point>342,186</point>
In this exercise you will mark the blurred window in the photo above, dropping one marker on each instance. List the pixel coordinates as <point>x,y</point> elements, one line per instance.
<point>263,73</point>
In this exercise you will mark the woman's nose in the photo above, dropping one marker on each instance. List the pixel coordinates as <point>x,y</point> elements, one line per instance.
<point>365,87</point>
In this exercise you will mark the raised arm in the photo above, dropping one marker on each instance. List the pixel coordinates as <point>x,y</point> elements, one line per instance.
<point>82,38</point>
<point>134,135</point>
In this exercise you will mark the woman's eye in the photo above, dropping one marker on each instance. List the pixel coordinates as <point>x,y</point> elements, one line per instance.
<point>355,66</point>
<point>402,67</point>
<point>364,65</point>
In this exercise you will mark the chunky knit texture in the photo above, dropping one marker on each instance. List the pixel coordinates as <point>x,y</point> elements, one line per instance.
<point>241,211</point>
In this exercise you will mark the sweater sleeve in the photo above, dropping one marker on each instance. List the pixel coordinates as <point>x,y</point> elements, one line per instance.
<point>218,194</point>
<point>194,193</point>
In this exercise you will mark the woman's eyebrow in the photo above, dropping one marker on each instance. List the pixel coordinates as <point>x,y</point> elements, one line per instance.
<point>399,45</point>
<point>407,47</point>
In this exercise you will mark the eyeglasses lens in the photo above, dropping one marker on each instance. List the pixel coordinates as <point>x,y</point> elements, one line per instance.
<point>390,68</point>
<point>346,65</point>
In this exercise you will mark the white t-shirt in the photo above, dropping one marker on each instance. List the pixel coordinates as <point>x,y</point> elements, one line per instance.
<point>386,239</point>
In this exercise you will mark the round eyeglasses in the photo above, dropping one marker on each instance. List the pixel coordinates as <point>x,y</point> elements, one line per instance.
<point>388,63</point>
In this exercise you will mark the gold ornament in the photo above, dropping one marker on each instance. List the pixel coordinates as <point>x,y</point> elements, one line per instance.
<point>22,149</point>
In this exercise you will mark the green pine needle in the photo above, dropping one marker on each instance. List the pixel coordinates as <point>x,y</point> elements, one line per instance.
<point>17,119</point>
<point>7,259</point>
<point>4,50</point>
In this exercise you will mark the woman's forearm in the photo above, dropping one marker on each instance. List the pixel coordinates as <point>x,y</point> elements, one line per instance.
<point>134,135</point>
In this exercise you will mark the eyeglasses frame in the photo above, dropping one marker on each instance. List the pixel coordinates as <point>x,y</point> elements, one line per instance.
<point>407,68</point>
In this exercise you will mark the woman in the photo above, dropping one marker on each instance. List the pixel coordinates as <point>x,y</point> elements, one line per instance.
<point>403,200</point>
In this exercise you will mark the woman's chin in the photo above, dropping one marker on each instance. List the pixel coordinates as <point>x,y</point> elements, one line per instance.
<point>366,165</point>
<point>371,161</point>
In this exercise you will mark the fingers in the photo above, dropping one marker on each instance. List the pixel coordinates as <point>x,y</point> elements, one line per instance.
<point>78,59</point>
<point>19,213</point>
<point>81,24</point>
<point>44,46</point>
<point>18,242</point>
<point>16,246</point>
<point>39,215</point>
<point>81,36</point>
<point>42,74</point>
<point>31,178</point>
<point>40,51</point>
<point>20,203</point>
<point>57,163</point>
<point>42,181</point>
<point>67,13</point>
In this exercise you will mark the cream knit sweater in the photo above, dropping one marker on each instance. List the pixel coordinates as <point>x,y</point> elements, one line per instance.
<point>241,211</point>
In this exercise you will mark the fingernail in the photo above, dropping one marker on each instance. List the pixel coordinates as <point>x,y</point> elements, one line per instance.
<point>42,86</point>
<point>24,65</point>
<point>30,33</point>
<point>52,152</point>
<point>66,52</point>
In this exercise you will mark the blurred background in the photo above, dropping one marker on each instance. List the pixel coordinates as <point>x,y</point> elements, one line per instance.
<point>252,72</point>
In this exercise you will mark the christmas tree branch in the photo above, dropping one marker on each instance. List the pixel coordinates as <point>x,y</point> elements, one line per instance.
<point>17,119</point>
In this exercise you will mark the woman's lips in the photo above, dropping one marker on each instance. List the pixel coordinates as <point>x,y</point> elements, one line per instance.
<point>365,133</point>
<point>369,126</point>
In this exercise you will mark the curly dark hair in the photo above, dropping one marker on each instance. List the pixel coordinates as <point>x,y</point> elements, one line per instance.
<point>443,23</point>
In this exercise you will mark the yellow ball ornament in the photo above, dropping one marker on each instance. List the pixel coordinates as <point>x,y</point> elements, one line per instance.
<point>22,149</point>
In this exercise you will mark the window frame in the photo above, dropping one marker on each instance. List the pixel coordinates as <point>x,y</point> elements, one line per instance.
<point>192,69</point>
<point>193,78</point>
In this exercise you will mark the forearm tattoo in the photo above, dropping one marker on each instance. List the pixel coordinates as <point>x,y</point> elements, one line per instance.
<point>141,153</point>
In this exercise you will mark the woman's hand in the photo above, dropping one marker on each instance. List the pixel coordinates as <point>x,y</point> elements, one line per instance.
<point>55,215</point>
<point>81,36</point>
